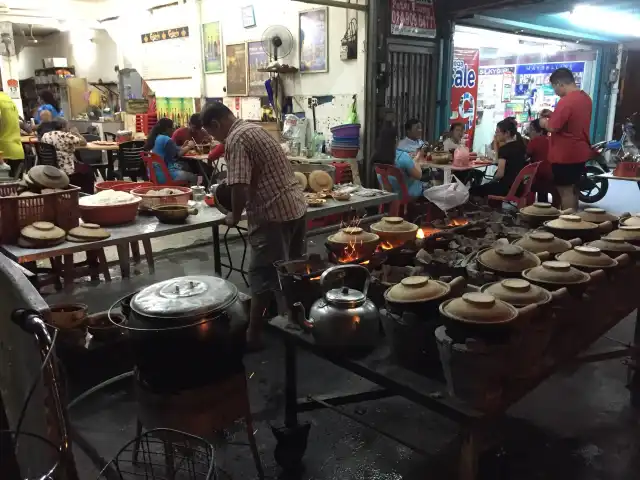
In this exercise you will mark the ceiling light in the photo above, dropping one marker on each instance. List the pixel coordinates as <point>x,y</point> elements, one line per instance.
<point>604,20</point>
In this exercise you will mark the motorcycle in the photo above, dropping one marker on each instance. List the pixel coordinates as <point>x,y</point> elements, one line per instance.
<point>593,188</point>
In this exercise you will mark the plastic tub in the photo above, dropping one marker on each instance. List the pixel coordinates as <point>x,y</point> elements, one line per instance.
<point>150,201</point>
<point>344,152</point>
<point>349,130</point>
<point>110,215</point>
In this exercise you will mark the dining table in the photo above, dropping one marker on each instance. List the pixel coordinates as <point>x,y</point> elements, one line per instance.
<point>449,169</point>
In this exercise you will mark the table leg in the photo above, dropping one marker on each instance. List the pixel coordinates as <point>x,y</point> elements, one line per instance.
<point>217,267</point>
<point>634,384</point>
<point>291,385</point>
<point>68,273</point>
<point>468,464</point>
<point>123,259</point>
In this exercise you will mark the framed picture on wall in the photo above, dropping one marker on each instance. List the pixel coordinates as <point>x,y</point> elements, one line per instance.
<point>212,47</point>
<point>248,17</point>
<point>257,59</point>
<point>236,57</point>
<point>313,28</point>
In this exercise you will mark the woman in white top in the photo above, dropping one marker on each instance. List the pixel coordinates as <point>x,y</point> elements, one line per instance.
<point>454,138</point>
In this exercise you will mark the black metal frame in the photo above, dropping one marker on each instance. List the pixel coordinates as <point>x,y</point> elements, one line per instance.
<point>477,432</point>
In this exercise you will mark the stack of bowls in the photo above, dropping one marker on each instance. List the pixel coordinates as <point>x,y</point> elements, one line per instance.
<point>346,141</point>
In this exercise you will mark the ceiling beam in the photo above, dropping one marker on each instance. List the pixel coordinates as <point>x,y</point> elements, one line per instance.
<point>460,8</point>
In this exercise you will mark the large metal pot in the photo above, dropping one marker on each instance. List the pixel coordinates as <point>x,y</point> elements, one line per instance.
<point>343,317</point>
<point>186,332</point>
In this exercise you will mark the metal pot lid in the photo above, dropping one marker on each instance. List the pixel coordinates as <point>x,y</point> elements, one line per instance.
<point>185,297</point>
<point>345,297</point>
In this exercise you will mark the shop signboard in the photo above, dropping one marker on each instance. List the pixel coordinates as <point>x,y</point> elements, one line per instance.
<point>464,90</point>
<point>413,18</point>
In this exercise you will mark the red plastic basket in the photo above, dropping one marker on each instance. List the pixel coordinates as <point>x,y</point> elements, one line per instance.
<point>626,169</point>
<point>145,122</point>
<point>344,152</point>
<point>59,208</point>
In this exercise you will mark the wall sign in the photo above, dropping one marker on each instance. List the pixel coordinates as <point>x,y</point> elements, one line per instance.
<point>169,34</point>
<point>313,31</point>
<point>212,47</point>
<point>464,90</point>
<point>414,18</point>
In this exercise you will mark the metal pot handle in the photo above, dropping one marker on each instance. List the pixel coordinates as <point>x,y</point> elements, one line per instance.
<point>330,271</point>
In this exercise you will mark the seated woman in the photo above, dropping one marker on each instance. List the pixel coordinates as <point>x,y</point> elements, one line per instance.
<point>387,153</point>
<point>48,103</point>
<point>537,151</point>
<point>511,159</point>
<point>65,140</point>
<point>159,142</point>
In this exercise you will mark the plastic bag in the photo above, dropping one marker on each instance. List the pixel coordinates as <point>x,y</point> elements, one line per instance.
<point>448,196</point>
<point>461,157</point>
<point>352,116</point>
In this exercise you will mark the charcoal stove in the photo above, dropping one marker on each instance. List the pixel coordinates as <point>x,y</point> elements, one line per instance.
<point>338,256</point>
<point>300,279</point>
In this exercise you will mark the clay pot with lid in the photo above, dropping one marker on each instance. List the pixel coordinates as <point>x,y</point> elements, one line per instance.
<point>87,232</point>
<point>420,295</point>
<point>480,315</point>
<point>627,233</point>
<point>518,292</point>
<point>364,242</point>
<point>507,260</point>
<point>597,216</point>
<point>616,246</point>
<point>587,258</point>
<point>538,213</point>
<point>554,275</point>
<point>572,226</point>
<point>395,230</point>
<point>630,220</point>
<point>540,241</point>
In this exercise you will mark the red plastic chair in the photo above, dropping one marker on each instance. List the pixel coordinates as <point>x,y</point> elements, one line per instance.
<point>150,159</point>
<point>526,176</point>
<point>386,171</point>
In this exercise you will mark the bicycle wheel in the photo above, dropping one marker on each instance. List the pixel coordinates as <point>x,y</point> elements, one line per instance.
<point>592,189</point>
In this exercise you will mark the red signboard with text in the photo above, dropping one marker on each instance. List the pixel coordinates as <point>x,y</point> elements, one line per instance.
<point>464,90</point>
<point>414,18</point>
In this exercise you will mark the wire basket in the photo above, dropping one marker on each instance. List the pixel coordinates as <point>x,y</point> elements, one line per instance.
<point>163,454</point>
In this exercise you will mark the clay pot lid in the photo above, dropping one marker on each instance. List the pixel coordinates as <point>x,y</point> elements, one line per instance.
<point>541,241</point>
<point>570,222</point>
<point>417,289</point>
<point>632,221</point>
<point>508,258</point>
<point>353,235</point>
<point>48,176</point>
<point>302,179</point>
<point>607,244</point>
<point>597,215</point>
<point>320,180</point>
<point>42,231</point>
<point>517,292</point>
<point>556,272</point>
<point>625,232</point>
<point>587,256</point>
<point>541,209</point>
<point>89,231</point>
<point>394,224</point>
<point>479,307</point>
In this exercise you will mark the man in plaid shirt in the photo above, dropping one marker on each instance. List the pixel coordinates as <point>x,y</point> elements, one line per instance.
<point>263,182</point>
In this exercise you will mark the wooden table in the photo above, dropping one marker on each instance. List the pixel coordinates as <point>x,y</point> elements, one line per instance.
<point>449,169</point>
<point>28,139</point>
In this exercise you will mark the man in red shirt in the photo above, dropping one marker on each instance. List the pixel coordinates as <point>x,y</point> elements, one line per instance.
<point>570,145</point>
<point>193,134</point>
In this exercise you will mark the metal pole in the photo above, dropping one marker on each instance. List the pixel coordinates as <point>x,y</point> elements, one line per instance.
<point>615,90</point>
<point>371,90</point>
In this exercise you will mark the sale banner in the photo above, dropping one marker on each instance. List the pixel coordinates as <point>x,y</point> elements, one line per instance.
<point>464,90</point>
<point>414,18</point>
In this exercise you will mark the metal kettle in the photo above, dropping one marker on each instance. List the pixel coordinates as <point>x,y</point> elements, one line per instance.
<point>343,317</point>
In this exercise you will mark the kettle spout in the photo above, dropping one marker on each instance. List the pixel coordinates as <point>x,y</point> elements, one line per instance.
<point>299,316</point>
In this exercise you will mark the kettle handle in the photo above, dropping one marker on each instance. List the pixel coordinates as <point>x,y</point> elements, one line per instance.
<point>330,271</point>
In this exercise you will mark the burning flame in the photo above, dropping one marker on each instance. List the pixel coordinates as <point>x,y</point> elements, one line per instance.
<point>366,262</point>
<point>425,232</point>
<point>308,268</point>
<point>457,222</point>
<point>386,246</point>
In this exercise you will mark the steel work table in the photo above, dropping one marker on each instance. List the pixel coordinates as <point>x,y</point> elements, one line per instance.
<point>147,227</point>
